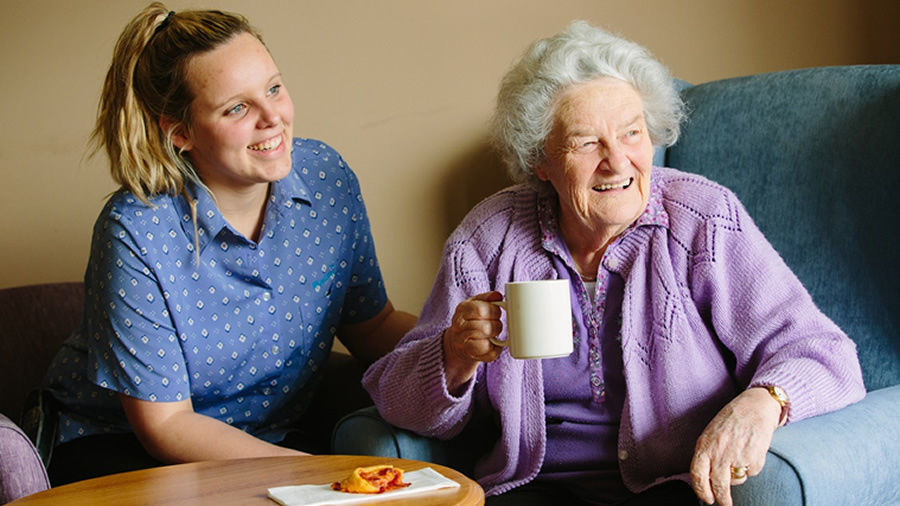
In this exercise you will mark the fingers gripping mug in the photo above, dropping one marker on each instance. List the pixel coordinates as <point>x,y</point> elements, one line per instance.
<point>538,319</point>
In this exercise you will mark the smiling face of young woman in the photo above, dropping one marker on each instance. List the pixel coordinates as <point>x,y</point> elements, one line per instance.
<point>598,159</point>
<point>241,117</point>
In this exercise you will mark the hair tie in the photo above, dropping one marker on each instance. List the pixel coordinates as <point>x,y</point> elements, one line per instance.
<point>164,23</point>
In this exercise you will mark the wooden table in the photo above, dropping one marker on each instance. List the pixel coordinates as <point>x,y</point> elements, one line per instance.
<point>242,482</point>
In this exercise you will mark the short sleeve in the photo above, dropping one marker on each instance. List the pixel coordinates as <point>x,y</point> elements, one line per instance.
<point>132,347</point>
<point>366,294</point>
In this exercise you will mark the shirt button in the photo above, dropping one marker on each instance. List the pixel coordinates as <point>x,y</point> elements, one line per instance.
<point>623,455</point>
<point>267,295</point>
<point>275,349</point>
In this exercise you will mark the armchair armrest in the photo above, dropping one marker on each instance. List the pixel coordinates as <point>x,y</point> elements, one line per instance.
<point>21,470</point>
<point>845,457</point>
<point>364,432</point>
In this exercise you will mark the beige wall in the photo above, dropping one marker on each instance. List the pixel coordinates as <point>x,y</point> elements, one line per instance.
<point>402,88</point>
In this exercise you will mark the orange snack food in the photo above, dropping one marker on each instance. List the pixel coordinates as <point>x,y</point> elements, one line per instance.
<point>371,480</point>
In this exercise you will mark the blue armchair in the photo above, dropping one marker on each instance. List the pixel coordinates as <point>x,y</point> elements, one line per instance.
<point>813,154</point>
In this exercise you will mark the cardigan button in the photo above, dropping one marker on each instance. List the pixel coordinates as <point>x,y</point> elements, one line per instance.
<point>623,455</point>
<point>613,263</point>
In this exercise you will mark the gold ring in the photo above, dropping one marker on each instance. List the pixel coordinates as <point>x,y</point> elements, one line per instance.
<point>739,473</point>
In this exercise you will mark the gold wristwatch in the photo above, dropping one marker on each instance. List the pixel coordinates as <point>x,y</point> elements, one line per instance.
<point>779,395</point>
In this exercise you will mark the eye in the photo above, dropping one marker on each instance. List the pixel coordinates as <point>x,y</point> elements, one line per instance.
<point>586,145</point>
<point>237,109</point>
<point>632,134</point>
<point>274,90</point>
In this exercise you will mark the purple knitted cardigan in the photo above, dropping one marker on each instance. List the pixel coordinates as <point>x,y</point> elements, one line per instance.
<point>709,309</point>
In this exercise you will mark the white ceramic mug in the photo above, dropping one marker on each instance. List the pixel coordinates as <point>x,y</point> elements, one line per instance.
<point>538,319</point>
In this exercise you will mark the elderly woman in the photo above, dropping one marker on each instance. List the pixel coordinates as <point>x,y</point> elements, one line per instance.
<point>693,340</point>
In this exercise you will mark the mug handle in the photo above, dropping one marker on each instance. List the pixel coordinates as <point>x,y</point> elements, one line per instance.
<point>494,340</point>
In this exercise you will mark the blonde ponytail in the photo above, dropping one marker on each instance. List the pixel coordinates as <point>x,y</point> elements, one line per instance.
<point>147,81</point>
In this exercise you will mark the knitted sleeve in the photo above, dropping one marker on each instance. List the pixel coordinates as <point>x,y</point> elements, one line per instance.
<point>763,314</point>
<point>409,385</point>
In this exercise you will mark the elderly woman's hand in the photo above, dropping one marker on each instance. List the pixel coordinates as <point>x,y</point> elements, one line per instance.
<point>739,437</point>
<point>467,340</point>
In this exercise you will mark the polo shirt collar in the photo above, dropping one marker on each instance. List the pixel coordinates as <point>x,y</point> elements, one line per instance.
<point>284,195</point>
<point>209,220</point>
<point>288,191</point>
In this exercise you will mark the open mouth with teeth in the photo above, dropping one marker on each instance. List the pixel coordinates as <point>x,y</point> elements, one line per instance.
<point>267,145</point>
<point>614,186</point>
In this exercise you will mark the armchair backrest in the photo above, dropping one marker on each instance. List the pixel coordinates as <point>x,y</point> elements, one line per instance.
<point>34,321</point>
<point>814,155</point>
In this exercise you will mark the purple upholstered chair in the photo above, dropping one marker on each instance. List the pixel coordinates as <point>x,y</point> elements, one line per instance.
<point>21,469</point>
<point>34,321</point>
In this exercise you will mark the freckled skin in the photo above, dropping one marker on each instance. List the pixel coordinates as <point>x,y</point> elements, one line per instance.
<point>240,103</point>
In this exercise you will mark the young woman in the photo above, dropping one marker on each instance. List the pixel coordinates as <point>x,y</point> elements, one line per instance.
<point>222,270</point>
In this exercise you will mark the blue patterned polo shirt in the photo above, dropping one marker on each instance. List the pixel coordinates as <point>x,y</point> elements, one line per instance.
<point>245,332</point>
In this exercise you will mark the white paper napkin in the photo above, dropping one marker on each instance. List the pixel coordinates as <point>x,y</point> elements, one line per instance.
<point>308,495</point>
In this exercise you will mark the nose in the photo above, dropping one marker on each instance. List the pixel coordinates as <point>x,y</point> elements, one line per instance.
<point>268,116</point>
<point>614,158</point>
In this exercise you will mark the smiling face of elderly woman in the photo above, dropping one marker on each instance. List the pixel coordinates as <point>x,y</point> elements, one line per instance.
<point>598,158</point>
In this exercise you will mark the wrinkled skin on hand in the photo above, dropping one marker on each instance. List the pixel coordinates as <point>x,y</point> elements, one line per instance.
<point>467,341</point>
<point>739,435</point>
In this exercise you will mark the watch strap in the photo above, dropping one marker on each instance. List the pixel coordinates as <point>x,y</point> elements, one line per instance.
<point>781,397</point>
